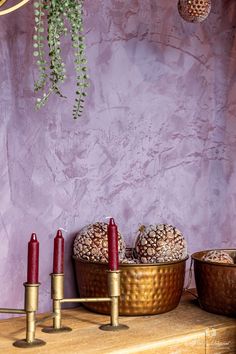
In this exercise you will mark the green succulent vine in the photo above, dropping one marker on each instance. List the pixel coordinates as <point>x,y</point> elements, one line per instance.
<point>52,19</point>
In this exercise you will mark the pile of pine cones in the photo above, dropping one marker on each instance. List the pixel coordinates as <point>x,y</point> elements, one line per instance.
<point>154,244</point>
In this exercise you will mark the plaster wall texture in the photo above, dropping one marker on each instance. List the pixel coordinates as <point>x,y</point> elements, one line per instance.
<point>156,143</point>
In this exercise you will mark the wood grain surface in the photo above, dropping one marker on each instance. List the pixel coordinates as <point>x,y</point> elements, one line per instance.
<point>185,330</point>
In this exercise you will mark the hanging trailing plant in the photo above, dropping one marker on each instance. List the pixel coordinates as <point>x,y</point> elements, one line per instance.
<point>53,20</point>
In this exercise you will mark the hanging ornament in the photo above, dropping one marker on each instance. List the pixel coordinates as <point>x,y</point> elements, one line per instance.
<point>11,8</point>
<point>194,10</point>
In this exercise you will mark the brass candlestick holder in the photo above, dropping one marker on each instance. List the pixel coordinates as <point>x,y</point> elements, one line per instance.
<point>30,308</point>
<point>114,294</point>
<point>57,295</point>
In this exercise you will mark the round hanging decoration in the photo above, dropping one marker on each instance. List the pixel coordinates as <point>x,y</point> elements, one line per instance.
<point>194,10</point>
<point>11,8</point>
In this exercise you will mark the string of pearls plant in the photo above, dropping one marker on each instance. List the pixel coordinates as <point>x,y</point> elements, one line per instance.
<point>52,20</point>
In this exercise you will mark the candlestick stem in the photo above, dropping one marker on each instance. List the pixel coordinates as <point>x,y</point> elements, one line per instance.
<point>114,312</point>
<point>30,326</point>
<point>57,314</point>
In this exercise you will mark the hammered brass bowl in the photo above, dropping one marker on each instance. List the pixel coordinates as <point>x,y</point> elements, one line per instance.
<point>216,284</point>
<point>146,289</point>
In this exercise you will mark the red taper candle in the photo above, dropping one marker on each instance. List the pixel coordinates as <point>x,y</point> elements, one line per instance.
<point>33,260</point>
<point>113,258</point>
<point>58,254</point>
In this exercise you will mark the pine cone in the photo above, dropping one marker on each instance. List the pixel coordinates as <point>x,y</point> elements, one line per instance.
<point>159,243</point>
<point>91,243</point>
<point>218,257</point>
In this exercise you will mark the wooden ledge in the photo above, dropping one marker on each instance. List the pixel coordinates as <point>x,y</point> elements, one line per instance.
<point>185,330</point>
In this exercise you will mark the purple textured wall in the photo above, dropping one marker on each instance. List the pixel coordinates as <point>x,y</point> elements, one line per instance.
<point>156,143</point>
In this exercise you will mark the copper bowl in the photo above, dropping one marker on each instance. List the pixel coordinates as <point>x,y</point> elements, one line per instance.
<point>216,284</point>
<point>146,289</point>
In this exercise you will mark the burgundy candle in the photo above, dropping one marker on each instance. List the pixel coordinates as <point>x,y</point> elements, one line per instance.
<point>33,260</point>
<point>113,258</point>
<point>58,254</point>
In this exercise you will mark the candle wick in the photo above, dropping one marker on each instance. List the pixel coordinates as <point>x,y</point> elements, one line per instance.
<point>112,221</point>
<point>59,233</point>
<point>61,228</point>
<point>33,237</point>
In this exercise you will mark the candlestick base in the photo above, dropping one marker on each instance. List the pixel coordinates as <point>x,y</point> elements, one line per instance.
<point>109,327</point>
<point>56,330</point>
<point>22,343</point>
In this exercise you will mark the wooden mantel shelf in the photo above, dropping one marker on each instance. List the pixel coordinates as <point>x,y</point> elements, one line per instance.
<point>185,330</point>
